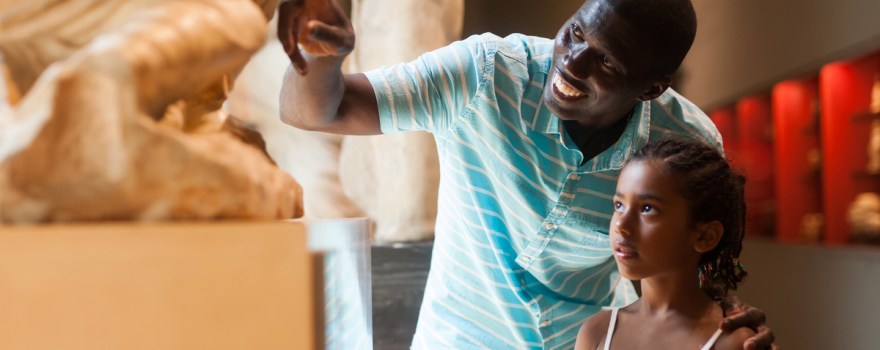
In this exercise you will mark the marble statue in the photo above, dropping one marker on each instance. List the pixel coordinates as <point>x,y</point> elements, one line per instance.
<point>111,110</point>
<point>310,157</point>
<point>392,179</point>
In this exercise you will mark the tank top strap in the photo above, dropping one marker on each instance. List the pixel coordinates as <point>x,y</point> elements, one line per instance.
<point>611,325</point>
<point>712,340</point>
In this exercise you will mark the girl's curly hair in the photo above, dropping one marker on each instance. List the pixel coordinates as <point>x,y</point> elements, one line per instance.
<point>715,192</point>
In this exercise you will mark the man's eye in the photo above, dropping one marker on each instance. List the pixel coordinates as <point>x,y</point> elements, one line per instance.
<point>606,62</point>
<point>576,32</point>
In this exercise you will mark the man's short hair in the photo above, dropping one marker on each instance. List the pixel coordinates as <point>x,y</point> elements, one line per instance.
<point>670,25</point>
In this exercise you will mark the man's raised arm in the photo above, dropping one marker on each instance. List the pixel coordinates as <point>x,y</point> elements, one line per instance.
<point>316,95</point>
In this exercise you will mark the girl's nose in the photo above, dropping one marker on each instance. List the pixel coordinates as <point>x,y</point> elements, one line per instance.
<point>622,223</point>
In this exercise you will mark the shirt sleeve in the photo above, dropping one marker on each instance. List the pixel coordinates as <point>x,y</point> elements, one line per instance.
<point>430,92</point>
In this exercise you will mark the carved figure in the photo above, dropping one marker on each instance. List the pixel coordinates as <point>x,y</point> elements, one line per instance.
<point>111,110</point>
<point>392,179</point>
<point>311,157</point>
<point>864,217</point>
<point>397,186</point>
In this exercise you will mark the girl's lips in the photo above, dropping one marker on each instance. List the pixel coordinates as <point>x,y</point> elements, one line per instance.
<point>625,254</point>
<point>625,251</point>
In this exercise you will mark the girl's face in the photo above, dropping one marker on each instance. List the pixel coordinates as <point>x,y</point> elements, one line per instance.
<point>651,232</point>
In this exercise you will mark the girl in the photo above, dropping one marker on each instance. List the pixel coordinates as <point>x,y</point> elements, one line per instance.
<point>678,227</point>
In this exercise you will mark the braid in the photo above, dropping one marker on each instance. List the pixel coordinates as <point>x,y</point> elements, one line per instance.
<point>714,192</point>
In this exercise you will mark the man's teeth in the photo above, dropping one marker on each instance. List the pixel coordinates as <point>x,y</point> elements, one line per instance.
<point>564,88</point>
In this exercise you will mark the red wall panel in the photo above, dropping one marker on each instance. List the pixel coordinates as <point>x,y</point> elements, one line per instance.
<point>845,90</point>
<point>797,153</point>
<point>725,121</point>
<point>755,147</point>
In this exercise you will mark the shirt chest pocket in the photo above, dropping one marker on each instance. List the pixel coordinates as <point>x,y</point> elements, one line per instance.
<point>574,261</point>
<point>577,243</point>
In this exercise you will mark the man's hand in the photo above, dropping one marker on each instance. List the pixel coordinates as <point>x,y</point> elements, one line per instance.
<point>318,27</point>
<point>739,315</point>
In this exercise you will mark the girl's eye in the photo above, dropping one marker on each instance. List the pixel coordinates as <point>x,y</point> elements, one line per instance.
<point>618,206</point>
<point>647,209</point>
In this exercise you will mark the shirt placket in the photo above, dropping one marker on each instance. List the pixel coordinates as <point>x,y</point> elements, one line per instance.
<point>551,222</point>
<point>548,228</point>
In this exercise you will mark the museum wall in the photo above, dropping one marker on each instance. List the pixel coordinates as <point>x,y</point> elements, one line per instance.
<point>742,46</point>
<point>746,46</point>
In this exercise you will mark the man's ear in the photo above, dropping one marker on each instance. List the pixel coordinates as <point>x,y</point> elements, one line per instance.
<point>656,89</point>
<point>708,236</point>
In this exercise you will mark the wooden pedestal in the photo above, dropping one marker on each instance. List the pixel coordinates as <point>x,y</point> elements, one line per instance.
<point>218,286</point>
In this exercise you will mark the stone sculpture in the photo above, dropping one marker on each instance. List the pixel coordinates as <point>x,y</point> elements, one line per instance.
<point>392,179</point>
<point>310,157</point>
<point>111,110</point>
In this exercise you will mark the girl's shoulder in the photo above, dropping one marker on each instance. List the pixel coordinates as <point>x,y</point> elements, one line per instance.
<point>593,331</point>
<point>734,340</point>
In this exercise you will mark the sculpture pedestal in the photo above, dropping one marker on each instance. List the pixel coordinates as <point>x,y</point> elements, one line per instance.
<point>218,285</point>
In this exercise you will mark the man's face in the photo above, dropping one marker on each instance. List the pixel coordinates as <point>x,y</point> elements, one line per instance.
<point>601,67</point>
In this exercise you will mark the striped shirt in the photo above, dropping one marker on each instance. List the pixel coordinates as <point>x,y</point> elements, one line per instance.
<point>521,254</point>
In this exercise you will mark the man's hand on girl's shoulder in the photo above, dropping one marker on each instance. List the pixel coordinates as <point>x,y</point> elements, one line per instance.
<point>738,315</point>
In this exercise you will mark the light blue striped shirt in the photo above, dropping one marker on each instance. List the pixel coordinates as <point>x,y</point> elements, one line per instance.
<point>521,255</point>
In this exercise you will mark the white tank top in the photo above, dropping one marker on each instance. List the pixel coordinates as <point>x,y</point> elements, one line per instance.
<point>613,322</point>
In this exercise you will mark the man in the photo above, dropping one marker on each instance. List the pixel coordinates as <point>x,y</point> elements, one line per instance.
<point>531,134</point>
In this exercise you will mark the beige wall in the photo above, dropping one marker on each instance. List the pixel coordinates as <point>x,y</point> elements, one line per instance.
<point>742,46</point>
<point>815,297</point>
<point>746,46</point>
<point>502,17</point>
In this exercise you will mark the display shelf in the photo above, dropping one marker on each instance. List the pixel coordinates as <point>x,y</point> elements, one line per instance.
<point>862,117</point>
<point>862,174</point>
<point>873,241</point>
<point>813,177</point>
<point>845,91</point>
<point>811,129</point>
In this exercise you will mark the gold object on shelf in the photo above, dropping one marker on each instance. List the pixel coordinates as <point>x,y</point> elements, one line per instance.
<point>812,225</point>
<point>814,159</point>
<point>873,166</point>
<point>875,95</point>
<point>864,218</point>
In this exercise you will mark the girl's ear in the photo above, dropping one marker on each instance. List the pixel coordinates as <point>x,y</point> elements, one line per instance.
<point>708,236</point>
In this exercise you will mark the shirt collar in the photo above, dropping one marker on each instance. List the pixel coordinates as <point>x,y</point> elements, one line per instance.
<point>634,137</point>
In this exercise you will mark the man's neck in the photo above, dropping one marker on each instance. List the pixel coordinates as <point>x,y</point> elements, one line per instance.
<point>592,141</point>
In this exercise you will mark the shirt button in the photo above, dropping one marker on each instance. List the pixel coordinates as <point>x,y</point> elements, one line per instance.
<point>545,323</point>
<point>549,225</point>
